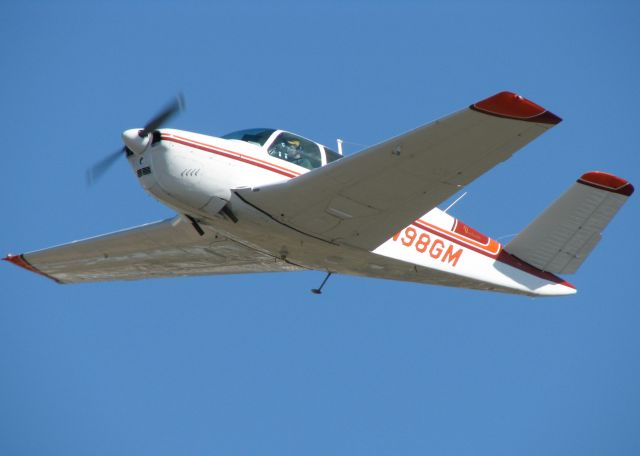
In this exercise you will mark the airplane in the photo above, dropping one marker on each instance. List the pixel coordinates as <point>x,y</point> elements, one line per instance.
<point>267,200</point>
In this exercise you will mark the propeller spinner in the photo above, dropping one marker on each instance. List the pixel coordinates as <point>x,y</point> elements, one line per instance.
<point>135,140</point>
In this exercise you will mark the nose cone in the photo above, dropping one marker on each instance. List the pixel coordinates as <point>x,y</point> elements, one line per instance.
<point>134,142</point>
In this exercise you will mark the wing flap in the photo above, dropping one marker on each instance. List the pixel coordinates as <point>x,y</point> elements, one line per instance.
<point>363,199</point>
<point>168,248</point>
<point>561,238</point>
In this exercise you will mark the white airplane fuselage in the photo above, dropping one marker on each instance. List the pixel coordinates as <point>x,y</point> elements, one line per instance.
<point>196,174</point>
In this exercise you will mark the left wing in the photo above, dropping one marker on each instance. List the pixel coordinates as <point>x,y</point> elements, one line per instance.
<point>163,249</point>
<point>364,199</point>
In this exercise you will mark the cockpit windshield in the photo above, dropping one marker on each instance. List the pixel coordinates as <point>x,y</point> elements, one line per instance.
<point>257,136</point>
<point>286,146</point>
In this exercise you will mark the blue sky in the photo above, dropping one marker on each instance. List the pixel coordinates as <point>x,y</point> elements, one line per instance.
<point>256,364</point>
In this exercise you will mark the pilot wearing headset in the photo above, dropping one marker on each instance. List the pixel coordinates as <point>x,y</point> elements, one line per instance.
<point>291,150</point>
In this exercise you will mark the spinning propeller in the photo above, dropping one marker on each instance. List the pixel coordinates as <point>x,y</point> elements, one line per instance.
<point>135,140</point>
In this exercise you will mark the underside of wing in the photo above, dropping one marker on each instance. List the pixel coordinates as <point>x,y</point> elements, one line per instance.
<point>168,248</point>
<point>363,199</point>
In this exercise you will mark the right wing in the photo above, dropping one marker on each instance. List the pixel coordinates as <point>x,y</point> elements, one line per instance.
<point>364,199</point>
<point>162,249</point>
<point>561,238</point>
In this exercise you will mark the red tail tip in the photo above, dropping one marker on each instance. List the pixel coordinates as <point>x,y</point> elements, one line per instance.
<point>607,181</point>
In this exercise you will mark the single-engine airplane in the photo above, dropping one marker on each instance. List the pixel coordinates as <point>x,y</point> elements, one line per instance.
<point>265,200</point>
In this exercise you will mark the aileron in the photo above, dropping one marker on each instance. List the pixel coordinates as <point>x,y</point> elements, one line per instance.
<point>168,248</point>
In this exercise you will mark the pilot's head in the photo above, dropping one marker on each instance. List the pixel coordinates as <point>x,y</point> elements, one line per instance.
<point>294,146</point>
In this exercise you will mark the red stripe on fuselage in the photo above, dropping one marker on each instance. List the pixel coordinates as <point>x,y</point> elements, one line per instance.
<point>231,154</point>
<point>218,148</point>
<point>502,256</point>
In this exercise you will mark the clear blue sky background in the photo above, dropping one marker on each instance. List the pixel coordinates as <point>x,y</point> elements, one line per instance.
<point>249,365</point>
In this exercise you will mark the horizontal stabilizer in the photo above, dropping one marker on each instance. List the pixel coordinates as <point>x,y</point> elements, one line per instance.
<point>560,239</point>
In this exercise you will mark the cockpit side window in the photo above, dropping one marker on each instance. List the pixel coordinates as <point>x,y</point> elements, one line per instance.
<point>331,155</point>
<point>296,149</point>
<point>257,136</point>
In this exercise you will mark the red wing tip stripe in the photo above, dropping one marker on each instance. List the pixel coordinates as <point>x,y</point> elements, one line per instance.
<point>20,260</point>
<point>513,106</point>
<point>606,181</point>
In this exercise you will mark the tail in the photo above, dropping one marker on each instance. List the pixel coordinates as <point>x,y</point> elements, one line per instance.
<point>561,238</point>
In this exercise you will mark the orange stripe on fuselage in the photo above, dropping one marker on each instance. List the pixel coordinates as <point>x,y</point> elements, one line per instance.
<point>232,154</point>
<point>500,254</point>
<point>492,247</point>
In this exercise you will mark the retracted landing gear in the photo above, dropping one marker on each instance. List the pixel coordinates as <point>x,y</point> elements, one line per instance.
<point>196,225</point>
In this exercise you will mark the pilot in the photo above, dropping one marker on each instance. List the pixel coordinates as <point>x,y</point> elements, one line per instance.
<point>296,154</point>
<point>292,150</point>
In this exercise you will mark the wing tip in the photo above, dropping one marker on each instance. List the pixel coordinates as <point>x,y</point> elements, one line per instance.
<point>513,106</point>
<point>607,181</point>
<point>18,260</point>
<point>21,261</point>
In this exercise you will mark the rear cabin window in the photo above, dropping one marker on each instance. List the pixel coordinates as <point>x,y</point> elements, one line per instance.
<point>331,155</point>
<point>297,150</point>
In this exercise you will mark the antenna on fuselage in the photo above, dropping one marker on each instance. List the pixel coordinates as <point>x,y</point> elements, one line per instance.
<point>453,204</point>
<point>340,141</point>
